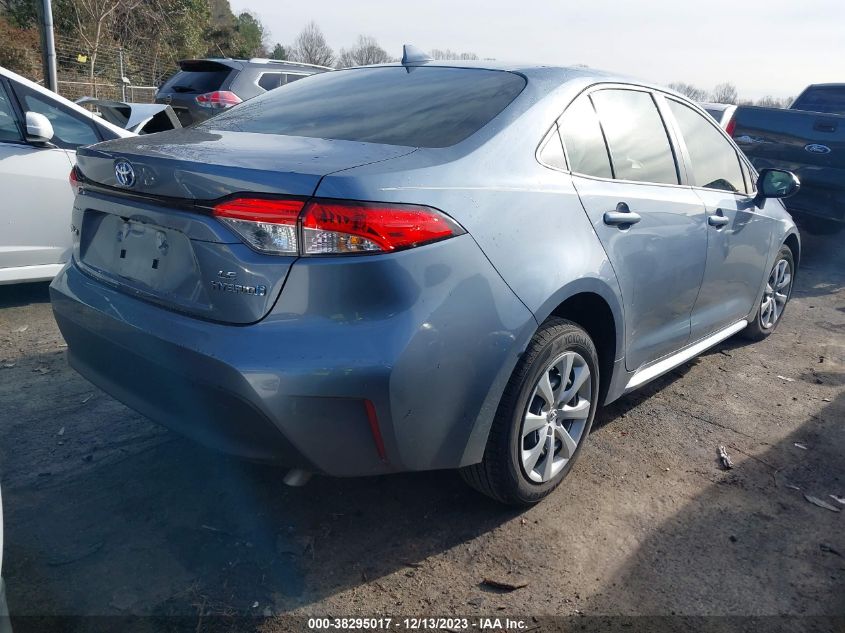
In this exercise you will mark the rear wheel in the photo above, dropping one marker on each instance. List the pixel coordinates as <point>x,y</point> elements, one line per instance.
<point>775,297</point>
<point>544,417</point>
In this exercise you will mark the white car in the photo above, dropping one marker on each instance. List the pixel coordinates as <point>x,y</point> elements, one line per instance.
<point>39,134</point>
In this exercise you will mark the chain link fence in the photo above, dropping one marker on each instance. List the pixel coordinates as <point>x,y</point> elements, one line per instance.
<point>108,73</point>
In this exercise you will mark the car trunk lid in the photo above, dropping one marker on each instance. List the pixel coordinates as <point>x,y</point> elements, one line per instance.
<point>153,235</point>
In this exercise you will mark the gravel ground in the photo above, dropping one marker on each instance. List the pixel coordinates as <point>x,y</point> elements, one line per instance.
<point>107,513</point>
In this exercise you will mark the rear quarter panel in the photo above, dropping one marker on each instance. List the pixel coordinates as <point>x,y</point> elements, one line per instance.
<point>526,218</point>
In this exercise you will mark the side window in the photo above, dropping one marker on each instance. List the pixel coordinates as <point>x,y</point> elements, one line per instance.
<point>715,163</point>
<point>9,130</point>
<point>269,81</point>
<point>582,137</point>
<point>71,130</point>
<point>637,139</point>
<point>291,78</point>
<point>551,153</point>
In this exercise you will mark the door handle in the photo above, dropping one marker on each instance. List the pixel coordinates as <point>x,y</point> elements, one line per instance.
<point>623,217</point>
<point>717,219</point>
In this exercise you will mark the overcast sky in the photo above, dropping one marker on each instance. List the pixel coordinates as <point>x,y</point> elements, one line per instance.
<point>765,47</point>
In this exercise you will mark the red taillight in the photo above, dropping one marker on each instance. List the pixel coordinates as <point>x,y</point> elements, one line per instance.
<point>731,126</point>
<point>268,225</point>
<point>332,227</point>
<point>218,99</point>
<point>73,179</point>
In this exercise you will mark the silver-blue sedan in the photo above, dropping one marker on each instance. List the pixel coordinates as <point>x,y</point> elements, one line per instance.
<point>419,265</point>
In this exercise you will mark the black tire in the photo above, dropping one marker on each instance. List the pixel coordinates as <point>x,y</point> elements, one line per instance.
<point>500,474</point>
<point>756,331</point>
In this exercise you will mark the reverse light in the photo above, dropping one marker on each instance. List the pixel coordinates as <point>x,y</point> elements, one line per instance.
<point>268,226</point>
<point>218,100</point>
<point>333,227</point>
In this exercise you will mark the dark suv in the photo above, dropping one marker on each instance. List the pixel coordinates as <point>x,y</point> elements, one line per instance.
<point>204,87</point>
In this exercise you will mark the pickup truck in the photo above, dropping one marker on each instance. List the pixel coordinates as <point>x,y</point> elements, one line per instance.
<point>807,139</point>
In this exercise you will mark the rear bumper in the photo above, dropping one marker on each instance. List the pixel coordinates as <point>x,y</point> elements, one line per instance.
<point>429,336</point>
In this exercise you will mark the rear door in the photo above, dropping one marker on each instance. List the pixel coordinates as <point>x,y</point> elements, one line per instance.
<point>738,235</point>
<point>651,226</point>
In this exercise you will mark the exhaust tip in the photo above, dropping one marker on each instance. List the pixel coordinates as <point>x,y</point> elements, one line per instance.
<point>297,478</point>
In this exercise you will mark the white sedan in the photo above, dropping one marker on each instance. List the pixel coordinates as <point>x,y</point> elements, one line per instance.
<point>39,134</point>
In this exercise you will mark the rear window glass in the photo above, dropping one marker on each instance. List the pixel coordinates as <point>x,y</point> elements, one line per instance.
<point>716,114</point>
<point>269,81</point>
<point>828,99</point>
<point>417,107</point>
<point>196,81</point>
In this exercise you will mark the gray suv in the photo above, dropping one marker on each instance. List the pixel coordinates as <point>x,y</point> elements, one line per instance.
<point>204,87</point>
<point>397,268</point>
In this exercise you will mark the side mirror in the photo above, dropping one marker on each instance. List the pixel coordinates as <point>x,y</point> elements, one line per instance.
<point>38,128</point>
<point>776,183</point>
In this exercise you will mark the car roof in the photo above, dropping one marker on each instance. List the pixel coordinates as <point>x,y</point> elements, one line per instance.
<point>5,72</point>
<point>556,75</point>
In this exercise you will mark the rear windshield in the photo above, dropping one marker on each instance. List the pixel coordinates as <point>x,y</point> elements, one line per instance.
<point>716,114</point>
<point>417,107</point>
<point>194,81</point>
<point>827,99</point>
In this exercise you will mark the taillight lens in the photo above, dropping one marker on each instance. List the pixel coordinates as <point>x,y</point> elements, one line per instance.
<point>731,126</point>
<point>332,227</point>
<point>219,99</point>
<point>269,226</point>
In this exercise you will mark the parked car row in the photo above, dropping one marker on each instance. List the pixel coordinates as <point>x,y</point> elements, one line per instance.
<point>418,265</point>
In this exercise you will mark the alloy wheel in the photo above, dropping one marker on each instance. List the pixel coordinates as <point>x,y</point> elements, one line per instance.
<point>776,294</point>
<point>556,417</point>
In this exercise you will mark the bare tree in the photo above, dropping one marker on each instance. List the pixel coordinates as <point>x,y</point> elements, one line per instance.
<point>365,52</point>
<point>94,22</point>
<point>773,102</point>
<point>724,93</point>
<point>688,90</point>
<point>448,53</point>
<point>310,46</point>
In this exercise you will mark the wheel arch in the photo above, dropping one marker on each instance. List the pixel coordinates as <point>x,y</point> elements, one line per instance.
<point>595,305</point>
<point>592,312</point>
<point>794,243</point>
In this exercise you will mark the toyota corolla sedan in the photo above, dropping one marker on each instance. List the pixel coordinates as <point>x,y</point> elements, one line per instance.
<point>419,266</point>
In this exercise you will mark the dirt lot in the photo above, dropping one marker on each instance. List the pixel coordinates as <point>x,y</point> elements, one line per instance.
<point>107,513</point>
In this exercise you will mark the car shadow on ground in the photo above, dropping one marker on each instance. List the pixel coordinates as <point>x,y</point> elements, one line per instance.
<point>152,523</point>
<point>24,294</point>
<point>748,520</point>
